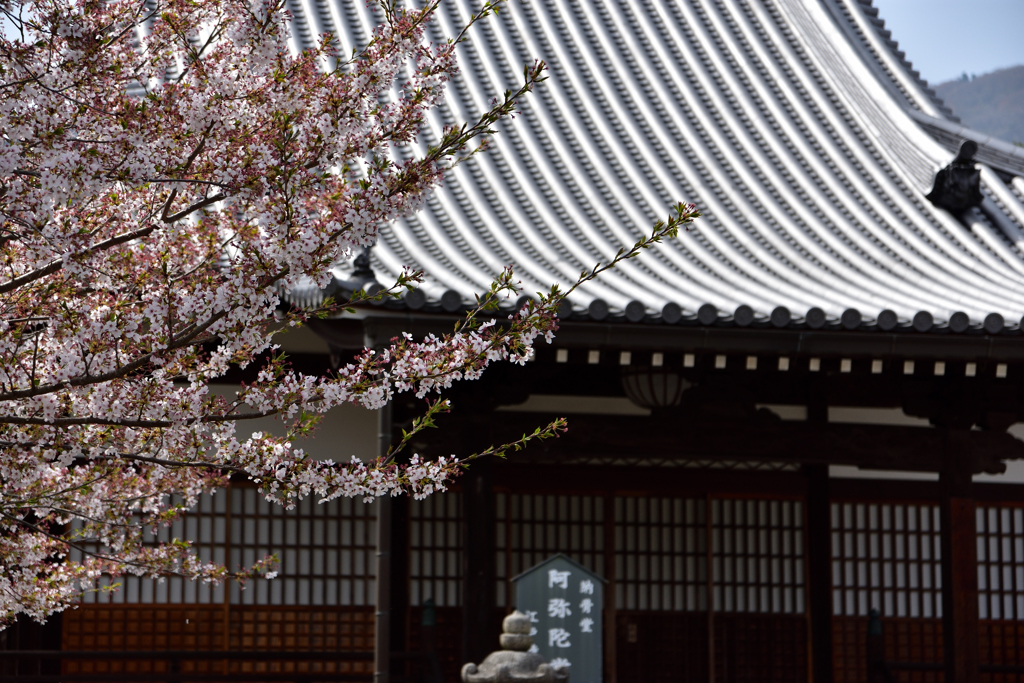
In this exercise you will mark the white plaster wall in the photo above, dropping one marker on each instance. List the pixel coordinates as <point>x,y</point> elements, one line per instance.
<point>1014,468</point>
<point>578,405</point>
<point>343,432</point>
<point>300,340</point>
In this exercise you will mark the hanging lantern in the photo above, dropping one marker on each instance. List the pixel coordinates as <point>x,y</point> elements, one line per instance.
<point>654,388</point>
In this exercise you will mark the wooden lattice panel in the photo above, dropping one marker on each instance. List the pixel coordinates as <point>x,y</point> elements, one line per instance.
<point>661,646</point>
<point>435,550</point>
<point>202,628</point>
<point>907,640</point>
<point>141,627</point>
<point>760,648</point>
<point>446,641</point>
<point>326,552</point>
<point>326,578</point>
<point>207,528</point>
<point>1001,589</point>
<point>532,528</point>
<point>661,554</point>
<point>758,556</point>
<point>298,628</point>
<point>1001,643</point>
<point>339,629</point>
<point>849,649</point>
<point>1000,563</point>
<point>886,556</point>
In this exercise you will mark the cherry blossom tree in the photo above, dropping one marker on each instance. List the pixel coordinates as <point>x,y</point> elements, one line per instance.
<point>168,169</point>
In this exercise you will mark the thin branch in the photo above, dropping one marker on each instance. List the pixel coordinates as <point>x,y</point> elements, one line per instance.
<point>100,556</point>
<point>57,264</point>
<point>195,207</point>
<point>66,421</point>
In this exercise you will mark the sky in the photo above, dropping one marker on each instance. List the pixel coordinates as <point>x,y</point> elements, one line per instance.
<point>945,38</point>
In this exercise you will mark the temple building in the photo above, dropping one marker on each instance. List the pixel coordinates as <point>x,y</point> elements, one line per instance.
<point>806,408</point>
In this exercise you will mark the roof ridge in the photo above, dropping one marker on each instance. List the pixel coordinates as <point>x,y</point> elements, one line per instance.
<point>991,150</point>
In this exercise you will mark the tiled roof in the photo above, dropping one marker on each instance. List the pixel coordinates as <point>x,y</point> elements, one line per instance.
<point>796,126</point>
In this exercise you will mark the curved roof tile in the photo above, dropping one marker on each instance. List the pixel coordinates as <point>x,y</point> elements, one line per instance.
<point>796,126</point>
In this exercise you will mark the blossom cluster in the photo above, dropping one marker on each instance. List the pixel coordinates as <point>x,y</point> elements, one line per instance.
<point>167,168</point>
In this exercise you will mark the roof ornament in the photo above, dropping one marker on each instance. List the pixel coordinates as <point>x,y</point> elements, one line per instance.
<point>362,269</point>
<point>958,185</point>
<point>362,277</point>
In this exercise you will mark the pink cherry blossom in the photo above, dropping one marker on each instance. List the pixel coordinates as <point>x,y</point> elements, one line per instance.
<point>167,169</point>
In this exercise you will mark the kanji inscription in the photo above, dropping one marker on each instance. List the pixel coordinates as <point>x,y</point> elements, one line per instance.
<point>564,601</point>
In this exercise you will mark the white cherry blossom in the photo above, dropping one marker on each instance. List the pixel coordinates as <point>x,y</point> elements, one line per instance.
<point>167,169</point>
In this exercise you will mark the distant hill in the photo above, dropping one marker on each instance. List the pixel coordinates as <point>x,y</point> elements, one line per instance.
<point>992,103</point>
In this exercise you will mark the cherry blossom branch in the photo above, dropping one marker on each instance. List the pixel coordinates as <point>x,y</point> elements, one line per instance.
<point>145,241</point>
<point>153,570</point>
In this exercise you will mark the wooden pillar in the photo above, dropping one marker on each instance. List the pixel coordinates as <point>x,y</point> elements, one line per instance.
<point>959,565</point>
<point>819,570</point>
<point>479,627</point>
<point>402,414</point>
<point>400,573</point>
<point>611,631</point>
<point>382,621</point>
<point>819,548</point>
<point>227,586</point>
<point>709,586</point>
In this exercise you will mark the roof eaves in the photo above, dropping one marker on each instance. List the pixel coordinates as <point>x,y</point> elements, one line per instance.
<point>708,316</point>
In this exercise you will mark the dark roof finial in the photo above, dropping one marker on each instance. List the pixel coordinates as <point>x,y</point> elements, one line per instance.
<point>361,265</point>
<point>958,185</point>
<point>362,276</point>
<point>968,148</point>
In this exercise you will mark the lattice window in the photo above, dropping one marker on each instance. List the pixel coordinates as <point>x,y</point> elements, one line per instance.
<point>327,552</point>
<point>206,527</point>
<point>758,556</point>
<point>435,550</point>
<point>532,528</point>
<point>886,557</point>
<point>1000,562</point>
<point>661,554</point>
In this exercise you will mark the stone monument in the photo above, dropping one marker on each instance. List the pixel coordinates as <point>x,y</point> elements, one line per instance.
<point>513,662</point>
<point>565,604</point>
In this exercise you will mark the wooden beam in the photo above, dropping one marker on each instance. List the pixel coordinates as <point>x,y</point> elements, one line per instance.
<point>735,340</point>
<point>526,476</point>
<point>885,447</point>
